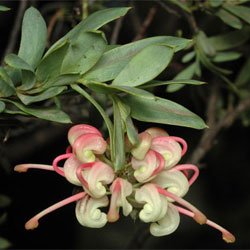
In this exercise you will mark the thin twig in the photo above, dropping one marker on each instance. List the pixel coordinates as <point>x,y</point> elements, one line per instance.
<point>52,23</point>
<point>168,9</point>
<point>16,28</point>
<point>146,23</point>
<point>210,134</point>
<point>117,28</point>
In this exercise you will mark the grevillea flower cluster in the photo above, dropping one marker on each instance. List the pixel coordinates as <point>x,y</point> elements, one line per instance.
<point>151,184</point>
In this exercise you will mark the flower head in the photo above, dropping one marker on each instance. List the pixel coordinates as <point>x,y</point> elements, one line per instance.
<point>151,181</point>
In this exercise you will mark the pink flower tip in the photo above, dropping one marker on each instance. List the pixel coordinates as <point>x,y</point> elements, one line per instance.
<point>228,237</point>
<point>200,218</point>
<point>21,168</point>
<point>31,224</point>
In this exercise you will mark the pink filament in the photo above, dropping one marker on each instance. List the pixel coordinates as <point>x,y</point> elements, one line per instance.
<point>161,163</point>
<point>24,167</point>
<point>198,215</point>
<point>59,158</point>
<point>184,167</point>
<point>33,222</point>
<point>69,149</point>
<point>226,235</point>
<point>79,172</point>
<point>182,141</point>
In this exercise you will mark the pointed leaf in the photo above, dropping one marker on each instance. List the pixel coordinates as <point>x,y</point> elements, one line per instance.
<point>230,40</point>
<point>33,40</point>
<point>4,8</point>
<point>242,12</point>
<point>226,56</point>
<point>93,22</point>
<point>113,61</point>
<point>84,52</point>
<point>50,114</point>
<point>49,93</point>
<point>6,85</point>
<point>145,66</point>
<point>188,57</point>
<point>229,19</point>
<point>162,111</point>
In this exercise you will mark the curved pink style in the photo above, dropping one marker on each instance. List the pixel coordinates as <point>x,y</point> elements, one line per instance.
<point>183,143</point>
<point>161,163</point>
<point>198,215</point>
<point>81,129</point>
<point>226,235</point>
<point>59,158</point>
<point>184,167</point>
<point>69,149</point>
<point>79,172</point>
<point>33,222</point>
<point>25,167</point>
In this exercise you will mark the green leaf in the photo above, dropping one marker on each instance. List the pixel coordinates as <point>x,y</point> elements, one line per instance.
<point>172,82</point>
<point>118,143</point>
<point>50,114</point>
<point>28,75</point>
<point>6,85</point>
<point>145,66</point>
<point>4,8</point>
<point>3,218</point>
<point>93,22</point>
<point>188,57</point>
<point>226,56</point>
<point>242,12</point>
<point>229,19</point>
<point>103,88</point>
<point>4,201</point>
<point>113,61</point>
<point>187,73</point>
<point>215,3</point>
<point>50,66</point>
<point>162,111</point>
<point>84,52</point>
<point>49,93</point>
<point>2,106</point>
<point>230,40</point>
<point>243,77</point>
<point>33,40</point>
<point>4,243</point>
<point>204,44</point>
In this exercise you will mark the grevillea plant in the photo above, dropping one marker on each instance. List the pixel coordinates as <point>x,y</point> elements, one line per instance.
<point>151,183</point>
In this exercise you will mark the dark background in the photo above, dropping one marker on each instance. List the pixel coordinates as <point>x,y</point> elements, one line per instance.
<point>221,191</point>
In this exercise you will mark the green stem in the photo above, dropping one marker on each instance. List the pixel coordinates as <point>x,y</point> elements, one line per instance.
<point>99,108</point>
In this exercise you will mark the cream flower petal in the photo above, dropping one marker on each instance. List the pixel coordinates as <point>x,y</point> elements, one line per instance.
<point>155,132</point>
<point>142,148</point>
<point>88,214</point>
<point>155,205</point>
<point>145,168</point>
<point>168,148</point>
<point>168,224</point>
<point>69,169</point>
<point>174,181</point>
<point>86,146</point>
<point>120,189</point>
<point>96,177</point>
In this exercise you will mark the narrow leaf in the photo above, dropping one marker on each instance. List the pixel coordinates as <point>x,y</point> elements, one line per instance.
<point>229,19</point>
<point>113,61</point>
<point>4,243</point>
<point>179,4</point>
<point>205,45</point>
<point>230,40</point>
<point>226,56</point>
<point>162,111</point>
<point>50,114</point>
<point>145,66</point>
<point>244,76</point>
<point>93,22</point>
<point>33,40</point>
<point>49,93</point>
<point>4,8</point>
<point>188,57</point>
<point>242,12</point>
